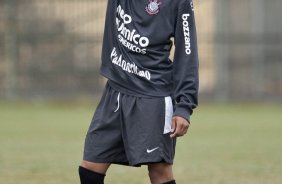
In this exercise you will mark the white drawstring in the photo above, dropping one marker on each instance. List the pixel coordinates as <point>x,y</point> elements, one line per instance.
<point>118,102</point>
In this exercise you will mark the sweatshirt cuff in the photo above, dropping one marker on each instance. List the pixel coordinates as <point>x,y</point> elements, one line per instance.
<point>182,112</point>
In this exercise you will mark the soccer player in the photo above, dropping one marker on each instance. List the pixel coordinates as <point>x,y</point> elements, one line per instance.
<point>148,99</point>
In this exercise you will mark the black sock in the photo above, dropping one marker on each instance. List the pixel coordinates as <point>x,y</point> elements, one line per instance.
<point>90,177</point>
<point>170,182</point>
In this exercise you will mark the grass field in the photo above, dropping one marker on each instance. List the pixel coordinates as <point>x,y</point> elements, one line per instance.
<point>227,144</point>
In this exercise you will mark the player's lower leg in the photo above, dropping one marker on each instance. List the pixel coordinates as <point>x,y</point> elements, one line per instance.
<point>161,173</point>
<point>89,177</point>
<point>90,173</point>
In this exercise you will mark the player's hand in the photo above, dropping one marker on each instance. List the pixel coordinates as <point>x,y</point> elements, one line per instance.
<point>179,126</point>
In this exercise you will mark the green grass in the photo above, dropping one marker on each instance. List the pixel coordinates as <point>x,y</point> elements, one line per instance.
<point>226,144</point>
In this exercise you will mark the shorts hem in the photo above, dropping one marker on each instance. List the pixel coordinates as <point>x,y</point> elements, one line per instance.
<point>110,161</point>
<point>132,164</point>
<point>146,162</point>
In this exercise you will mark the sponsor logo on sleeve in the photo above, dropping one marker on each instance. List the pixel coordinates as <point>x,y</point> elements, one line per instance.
<point>186,32</point>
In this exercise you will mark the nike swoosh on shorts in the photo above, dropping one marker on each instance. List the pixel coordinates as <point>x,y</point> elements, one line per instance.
<point>151,150</point>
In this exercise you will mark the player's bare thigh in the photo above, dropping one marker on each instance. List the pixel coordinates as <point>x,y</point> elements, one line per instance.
<point>96,167</point>
<point>160,173</point>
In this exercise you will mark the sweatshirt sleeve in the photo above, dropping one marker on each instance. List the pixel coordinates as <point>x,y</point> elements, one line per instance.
<point>185,62</point>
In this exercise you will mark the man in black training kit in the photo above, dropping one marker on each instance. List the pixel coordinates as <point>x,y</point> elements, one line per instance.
<point>148,99</point>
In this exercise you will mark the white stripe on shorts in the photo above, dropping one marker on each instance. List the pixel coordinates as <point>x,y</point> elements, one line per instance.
<point>118,103</point>
<point>168,114</point>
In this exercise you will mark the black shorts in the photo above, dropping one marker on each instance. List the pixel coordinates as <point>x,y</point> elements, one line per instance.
<point>130,130</point>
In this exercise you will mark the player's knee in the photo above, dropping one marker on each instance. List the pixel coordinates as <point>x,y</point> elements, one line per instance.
<point>160,173</point>
<point>96,167</point>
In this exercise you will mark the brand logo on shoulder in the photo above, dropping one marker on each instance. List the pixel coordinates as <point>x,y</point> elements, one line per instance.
<point>192,5</point>
<point>153,7</point>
